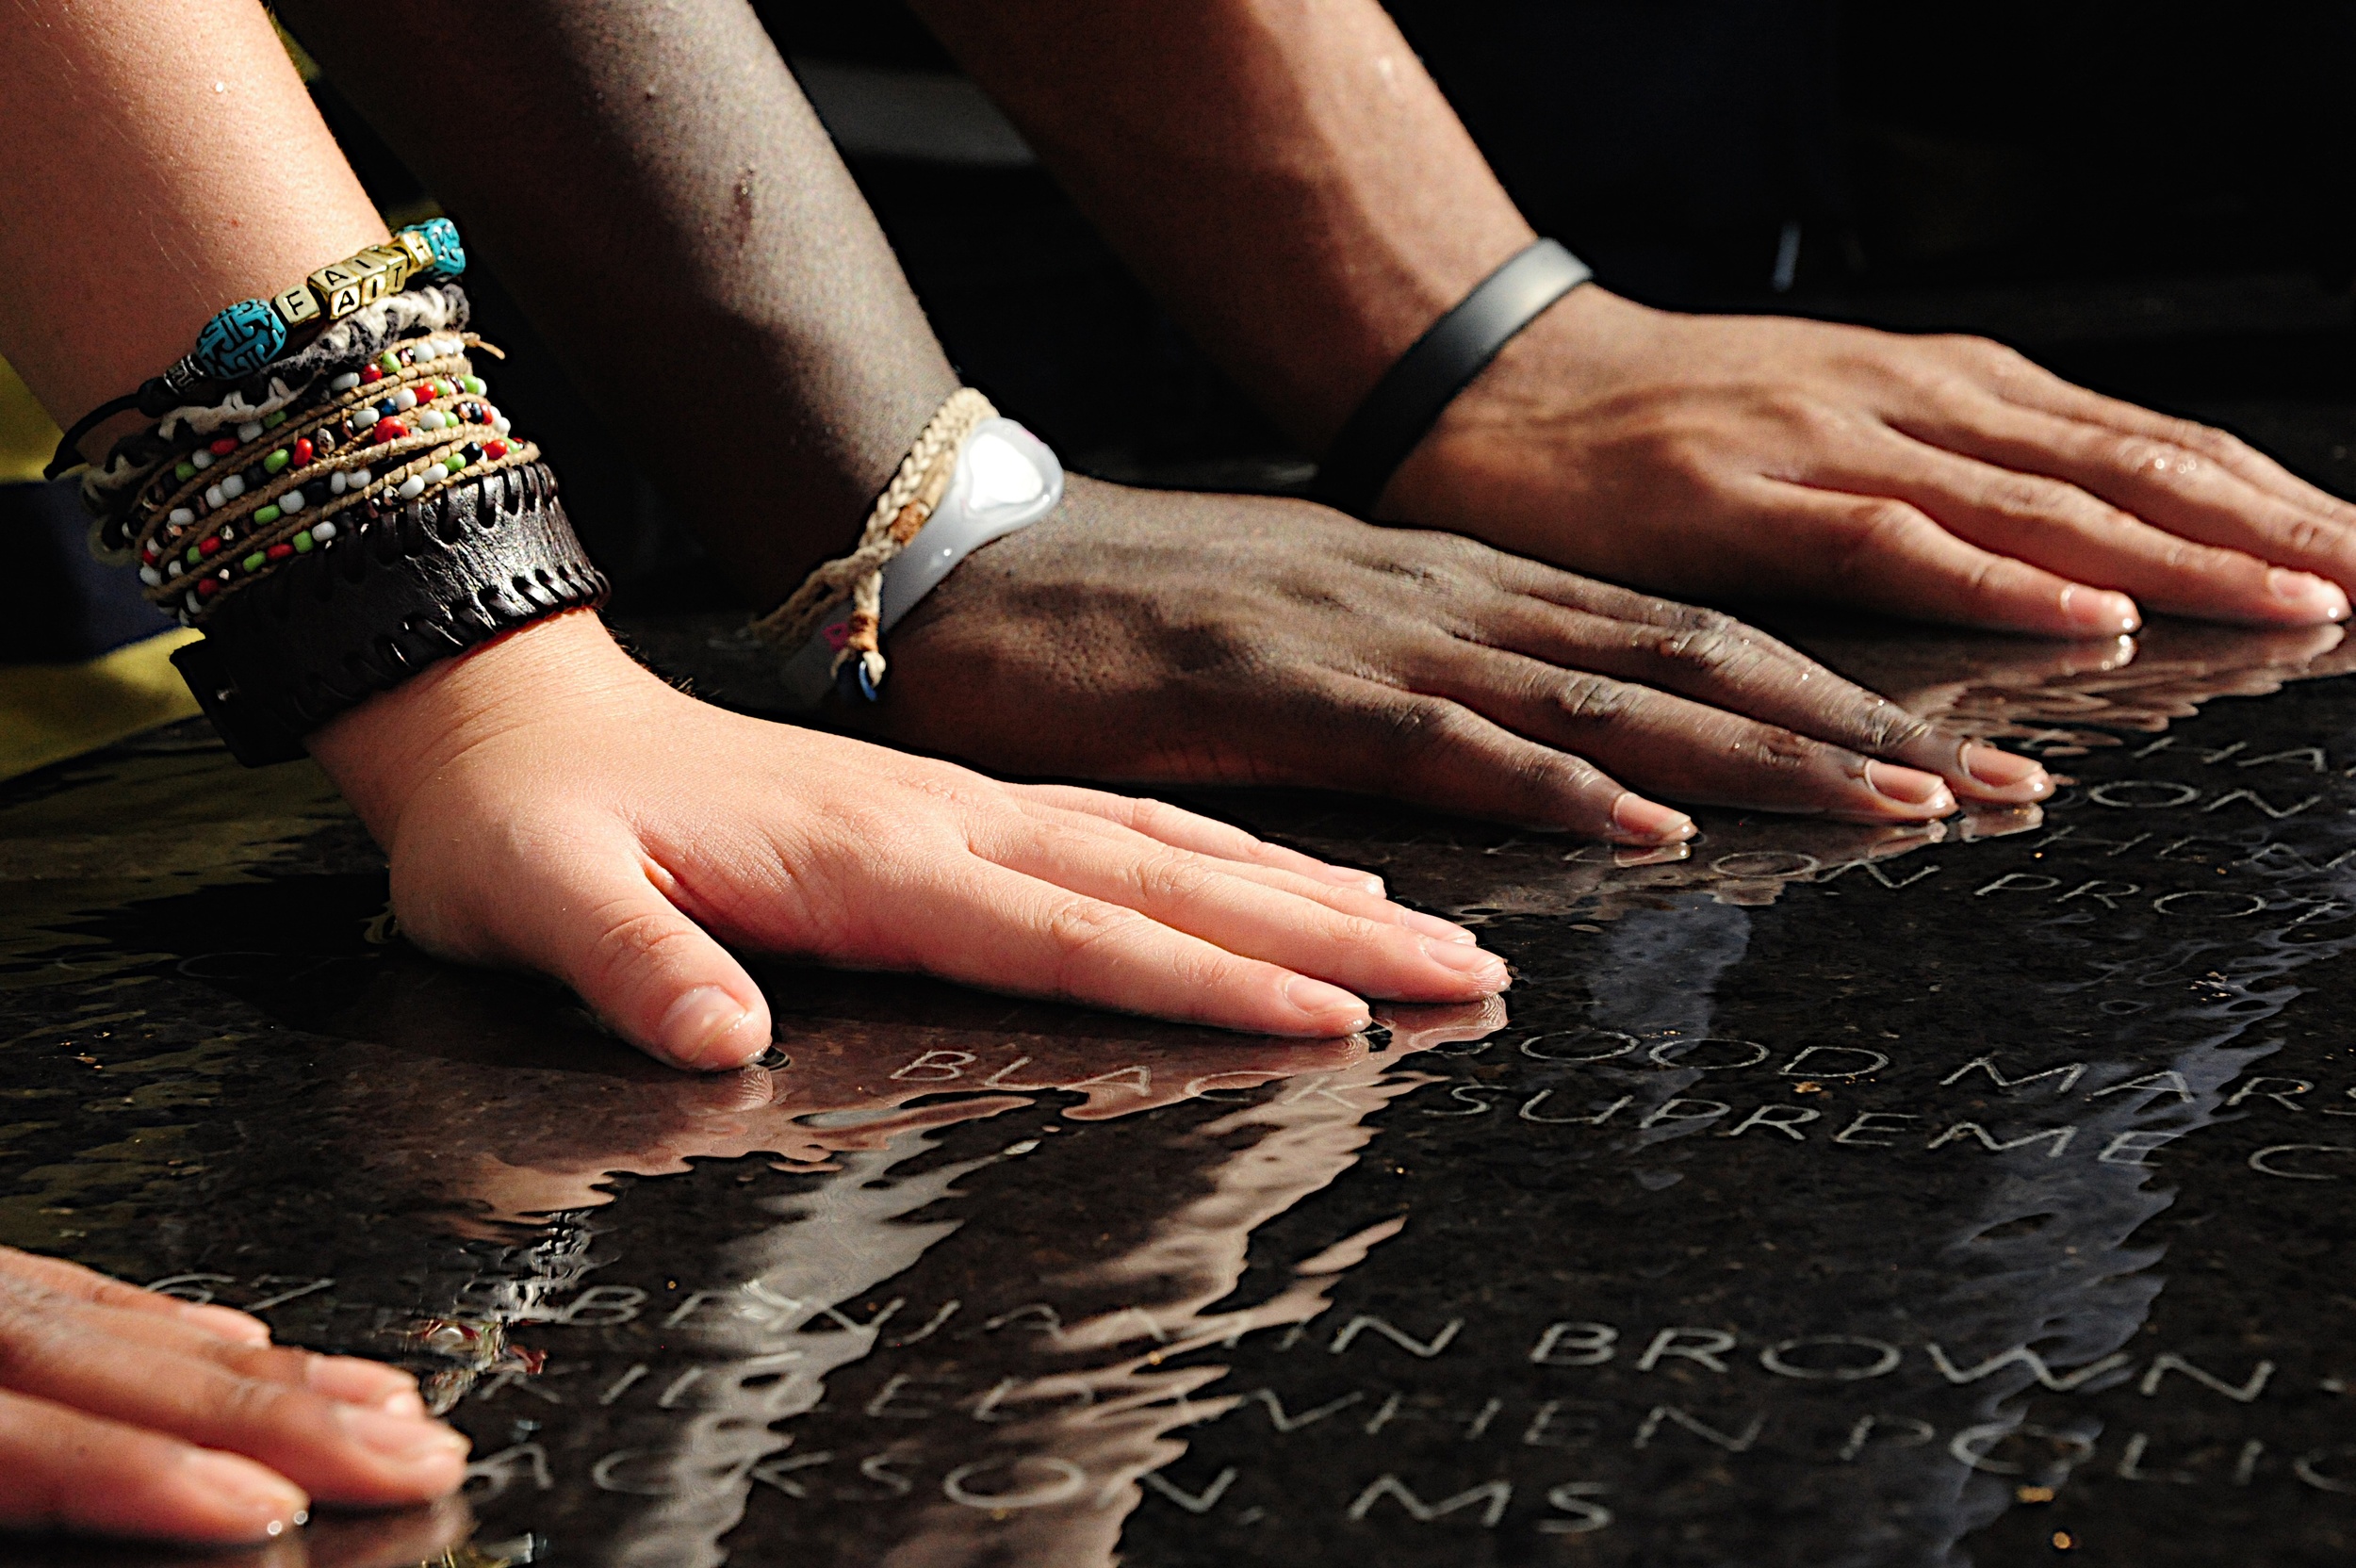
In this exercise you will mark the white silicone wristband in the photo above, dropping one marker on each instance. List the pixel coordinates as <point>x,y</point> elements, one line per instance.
<point>1006,478</point>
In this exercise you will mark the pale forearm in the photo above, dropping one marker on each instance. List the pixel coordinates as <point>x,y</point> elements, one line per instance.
<point>160,163</point>
<point>1283,172</point>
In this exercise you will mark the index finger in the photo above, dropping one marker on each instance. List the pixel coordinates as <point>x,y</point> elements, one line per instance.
<point>2044,391</point>
<point>1715,659</point>
<point>2162,480</point>
<point>76,1283</point>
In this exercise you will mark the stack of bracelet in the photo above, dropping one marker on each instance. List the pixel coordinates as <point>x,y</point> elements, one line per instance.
<point>411,419</point>
<point>328,491</point>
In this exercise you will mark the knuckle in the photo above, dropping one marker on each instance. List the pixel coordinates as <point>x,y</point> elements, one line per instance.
<point>1715,653</point>
<point>1594,699</point>
<point>2313,536</point>
<point>1783,751</point>
<point>2153,455</point>
<point>1888,728</point>
<point>1417,725</point>
<point>1876,526</point>
<point>1169,876</point>
<point>1078,927</point>
<point>632,943</point>
<point>2207,440</point>
<point>242,1403</point>
<point>1982,354</point>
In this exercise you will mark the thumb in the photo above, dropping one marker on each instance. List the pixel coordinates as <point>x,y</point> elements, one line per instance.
<point>656,977</point>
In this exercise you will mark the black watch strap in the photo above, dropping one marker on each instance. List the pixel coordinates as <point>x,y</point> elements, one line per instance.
<point>1413,394</point>
<point>385,597</point>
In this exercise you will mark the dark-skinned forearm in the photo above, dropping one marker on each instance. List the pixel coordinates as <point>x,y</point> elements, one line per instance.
<point>1283,172</point>
<point>647,179</point>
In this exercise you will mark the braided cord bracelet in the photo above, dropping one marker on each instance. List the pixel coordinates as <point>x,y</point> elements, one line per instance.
<point>899,514</point>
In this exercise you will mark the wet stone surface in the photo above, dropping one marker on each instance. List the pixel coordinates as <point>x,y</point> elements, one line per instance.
<point>1823,1196</point>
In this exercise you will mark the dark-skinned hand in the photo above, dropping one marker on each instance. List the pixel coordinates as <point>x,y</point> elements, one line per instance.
<point>1944,478</point>
<point>1144,635</point>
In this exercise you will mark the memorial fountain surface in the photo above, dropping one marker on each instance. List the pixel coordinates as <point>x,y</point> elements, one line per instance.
<point>1820,1195</point>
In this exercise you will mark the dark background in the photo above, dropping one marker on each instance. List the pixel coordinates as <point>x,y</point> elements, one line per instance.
<point>2149,198</point>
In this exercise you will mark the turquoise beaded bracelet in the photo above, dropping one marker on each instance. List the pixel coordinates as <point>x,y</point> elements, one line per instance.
<point>253,334</point>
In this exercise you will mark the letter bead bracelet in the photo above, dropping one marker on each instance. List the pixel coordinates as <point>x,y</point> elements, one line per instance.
<point>252,334</point>
<point>348,512</point>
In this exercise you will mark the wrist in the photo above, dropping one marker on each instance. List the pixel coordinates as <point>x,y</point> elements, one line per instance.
<point>1484,441</point>
<point>383,752</point>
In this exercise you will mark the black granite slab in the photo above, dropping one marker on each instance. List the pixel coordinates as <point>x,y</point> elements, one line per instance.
<point>1819,1196</point>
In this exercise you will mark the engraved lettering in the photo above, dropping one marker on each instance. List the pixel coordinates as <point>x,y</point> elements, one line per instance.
<point>1591,1345</point>
<point>2061,1136</point>
<point>1493,1496</point>
<point>1414,1346</point>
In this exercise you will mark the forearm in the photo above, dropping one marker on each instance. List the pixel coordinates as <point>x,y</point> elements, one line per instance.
<point>647,177</point>
<point>1283,172</point>
<point>160,163</point>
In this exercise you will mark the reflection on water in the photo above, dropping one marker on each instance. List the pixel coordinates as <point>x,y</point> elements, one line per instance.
<point>1829,1197</point>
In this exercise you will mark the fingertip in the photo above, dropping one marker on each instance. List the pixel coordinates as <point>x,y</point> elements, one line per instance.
<point>1482,971</point>
<point>1346,877</point>
<point>2307,596</point>
<point>1638,821</point>
<point>708,1029</point>
<point>352,1380</point>
<point>226,1323</point>
<point>228,1497</point>
<point>2099,612</point>
<point>1916,791</point>
<point>1325,1010</point>
<point>2003,775</point>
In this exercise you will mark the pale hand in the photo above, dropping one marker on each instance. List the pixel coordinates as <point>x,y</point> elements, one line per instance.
<point>127,1412</point>
<point>546,804</point>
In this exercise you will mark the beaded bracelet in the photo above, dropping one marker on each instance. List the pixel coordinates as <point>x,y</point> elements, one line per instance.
<point>108,490</point>
<point>265,449</point>
<point>251,334</point>
<point>358,472</point>
<point>300,479</point>
<point>455,463</point>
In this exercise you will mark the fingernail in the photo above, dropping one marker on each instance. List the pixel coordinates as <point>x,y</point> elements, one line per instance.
<point>1484,968</point>
<point>1999,769</point>
<point>227,1323</point>
<point>699,1030</point>
<point>1645,821</point>
<point>404,1439</point>
<point>364,1382</point>
<point>1908,786</point>
<point>1432,925</point>
<point>2324,600</point>
<point>1344,876</point>
<point>273,1504</point>
<point>2100,609</point>
<point>1321,1002</point>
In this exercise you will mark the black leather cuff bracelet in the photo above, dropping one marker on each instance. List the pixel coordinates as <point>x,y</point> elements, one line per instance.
<point>387,597</point>
<point>1414,393</point>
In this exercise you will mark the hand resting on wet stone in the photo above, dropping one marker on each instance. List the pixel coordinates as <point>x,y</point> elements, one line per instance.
<point>129,1412</point>
<point>615,837</point>
<point>1225,639</point>
<point>1294,184</point>
<point>1944,478</point>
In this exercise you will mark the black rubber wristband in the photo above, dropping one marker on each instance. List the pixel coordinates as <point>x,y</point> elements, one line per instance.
<point>384,598</point>
<point>1411,397</point>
